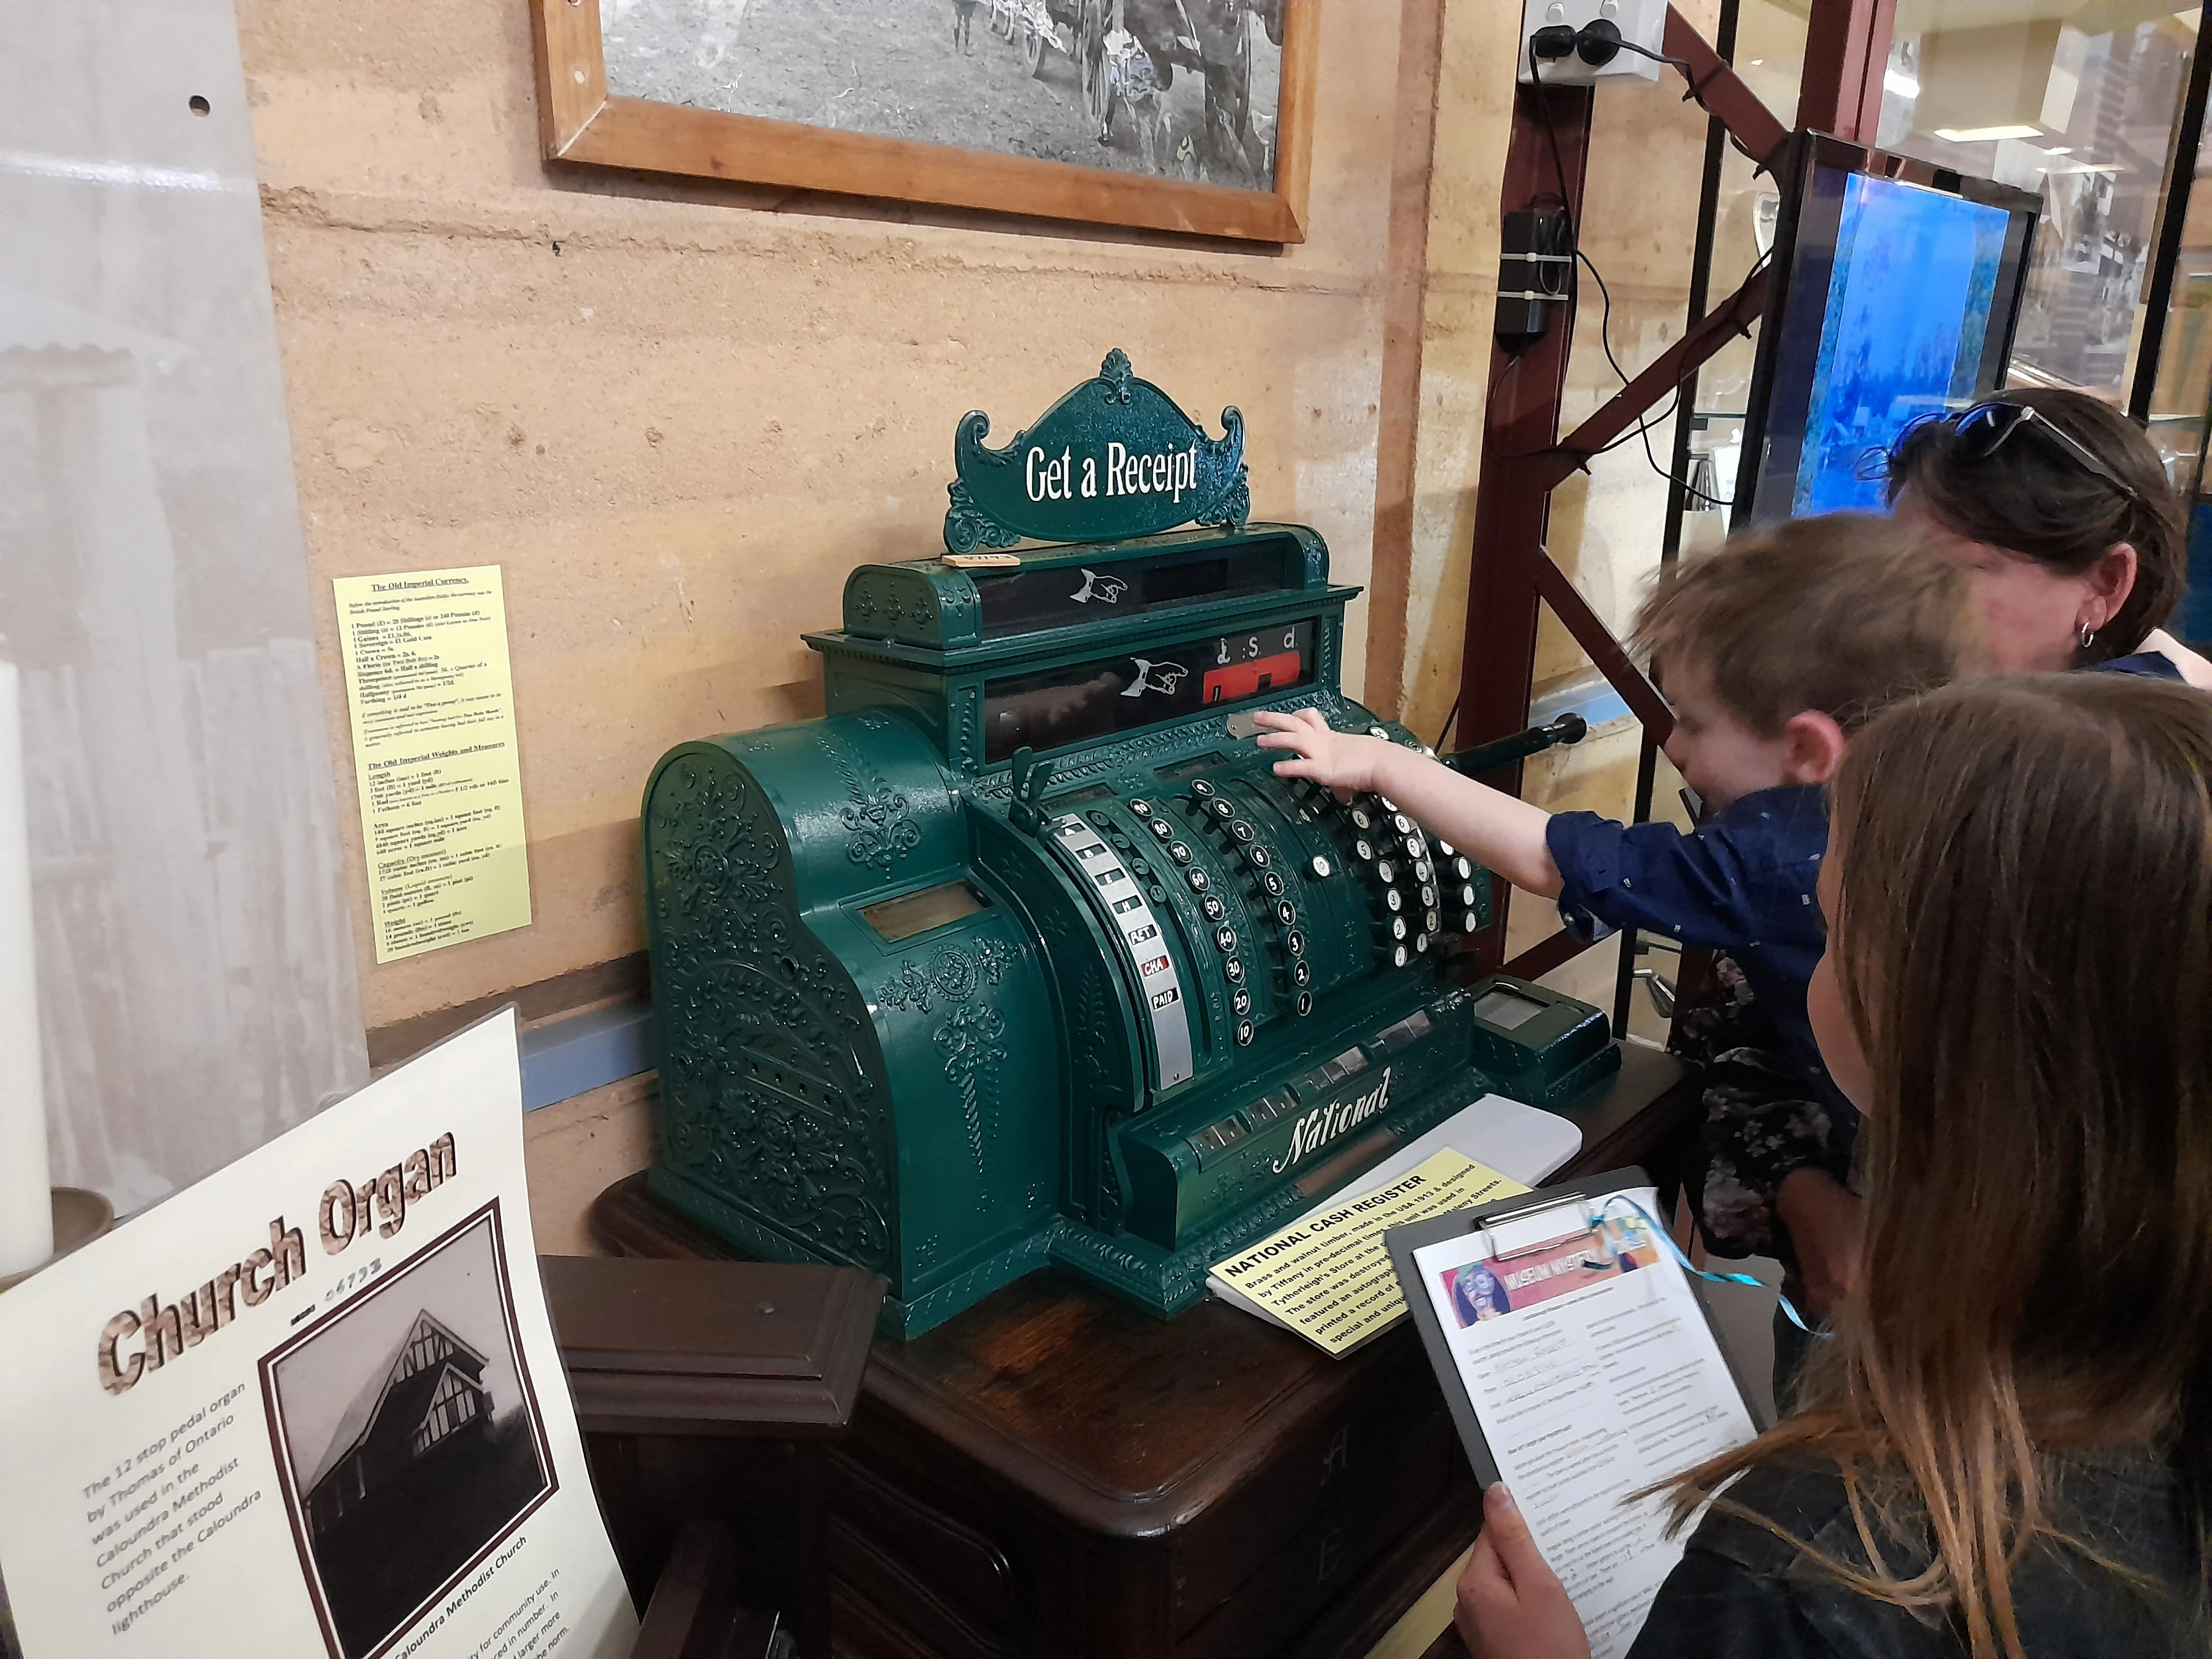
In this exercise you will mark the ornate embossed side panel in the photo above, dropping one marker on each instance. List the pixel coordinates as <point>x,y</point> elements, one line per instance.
<point>912,603</point>
<point>960,985</point>
<point>770,1097</point>
<point>967,727</point>
<point>836,1083</point>
<point>880,829</point>
<point>967,1026</point>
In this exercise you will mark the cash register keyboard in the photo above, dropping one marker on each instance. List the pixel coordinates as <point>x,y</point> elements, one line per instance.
<point>1278,894</point>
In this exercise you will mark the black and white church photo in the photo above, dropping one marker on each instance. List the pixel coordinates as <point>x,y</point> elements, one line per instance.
<point>411,1437</point>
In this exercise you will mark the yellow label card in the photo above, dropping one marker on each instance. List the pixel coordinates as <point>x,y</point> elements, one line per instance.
<point>432,695</point>
<point>1329,1276</point>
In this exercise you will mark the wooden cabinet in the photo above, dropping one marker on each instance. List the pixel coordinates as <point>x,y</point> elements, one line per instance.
<point>708,1393</point>
<point>1057,1472</point>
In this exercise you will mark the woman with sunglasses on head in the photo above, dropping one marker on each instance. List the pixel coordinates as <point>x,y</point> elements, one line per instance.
<point>2006,1447</point>
<point>2057,508</point>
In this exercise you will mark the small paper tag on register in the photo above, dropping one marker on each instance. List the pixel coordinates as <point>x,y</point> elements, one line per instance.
<point>1329,1277</point>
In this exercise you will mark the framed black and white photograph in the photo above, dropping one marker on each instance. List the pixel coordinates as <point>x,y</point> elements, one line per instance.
<point>1184,115</point>
<point>408,1436</point>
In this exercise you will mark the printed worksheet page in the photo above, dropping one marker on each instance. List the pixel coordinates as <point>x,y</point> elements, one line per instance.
<point>1594,1374</point>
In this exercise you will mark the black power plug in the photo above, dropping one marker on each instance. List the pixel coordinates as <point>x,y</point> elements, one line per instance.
<point>1553,41</point>
<point>1597,43</point>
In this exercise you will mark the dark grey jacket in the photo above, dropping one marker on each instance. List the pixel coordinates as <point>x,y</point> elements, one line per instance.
<point>1742,1593</point>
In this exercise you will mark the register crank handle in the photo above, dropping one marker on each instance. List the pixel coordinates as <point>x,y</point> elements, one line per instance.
<point>1489,756</point>
<point>1029,776</point>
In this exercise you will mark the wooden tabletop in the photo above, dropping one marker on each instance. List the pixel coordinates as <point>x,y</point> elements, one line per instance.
<point>1127,1424</point>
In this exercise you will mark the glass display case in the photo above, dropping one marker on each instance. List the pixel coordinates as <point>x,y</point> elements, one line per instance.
<point>2081,109</point>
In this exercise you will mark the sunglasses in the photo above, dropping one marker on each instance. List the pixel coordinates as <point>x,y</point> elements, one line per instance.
<point>1980,432</point>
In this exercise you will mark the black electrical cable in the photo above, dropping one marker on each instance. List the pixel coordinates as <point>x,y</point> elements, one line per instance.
<point>1575,247</point>
<point>1512,362</point>
<point>1604,329</point>
<point>1558,165</point>
<point>1450,720</point>
<point>1644,425</point>
<point>1689,73</point>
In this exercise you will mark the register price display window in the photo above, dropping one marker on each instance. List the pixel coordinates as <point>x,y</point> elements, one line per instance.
<point>1109,695</point>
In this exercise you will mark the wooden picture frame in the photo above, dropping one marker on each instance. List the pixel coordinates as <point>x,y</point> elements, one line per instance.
<point>579,124</point>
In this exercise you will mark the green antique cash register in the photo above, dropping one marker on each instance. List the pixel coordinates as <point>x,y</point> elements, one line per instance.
<point>1023,953</point>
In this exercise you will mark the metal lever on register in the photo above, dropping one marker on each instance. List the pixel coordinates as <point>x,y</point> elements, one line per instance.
<point>1030,776</point>
<point>1489,756</point>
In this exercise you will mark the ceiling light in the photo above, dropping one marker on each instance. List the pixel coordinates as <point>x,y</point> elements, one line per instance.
<point>1756,62</point>
<point>1902,84</point>
<point>1984,135</point>
<point>2059,149</point>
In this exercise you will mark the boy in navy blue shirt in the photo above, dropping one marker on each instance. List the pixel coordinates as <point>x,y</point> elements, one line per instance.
<point>1773,651</point>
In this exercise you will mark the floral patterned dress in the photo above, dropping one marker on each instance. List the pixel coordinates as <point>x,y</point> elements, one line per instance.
<point>1763,1119</point>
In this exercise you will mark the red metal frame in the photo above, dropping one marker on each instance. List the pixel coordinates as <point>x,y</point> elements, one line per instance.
<point>1717,90</point>
<point>1846,54</point>
<point>1523,459</point>
<point>1521,423</point>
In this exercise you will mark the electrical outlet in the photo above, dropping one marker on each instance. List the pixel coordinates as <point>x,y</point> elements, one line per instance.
<point>1641,21</point>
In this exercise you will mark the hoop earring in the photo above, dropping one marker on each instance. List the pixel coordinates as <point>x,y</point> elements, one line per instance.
<point>2089,636</point>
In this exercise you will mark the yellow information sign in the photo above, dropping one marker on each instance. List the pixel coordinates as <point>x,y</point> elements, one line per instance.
<point>432,695</point>
<point>1329,1277</point>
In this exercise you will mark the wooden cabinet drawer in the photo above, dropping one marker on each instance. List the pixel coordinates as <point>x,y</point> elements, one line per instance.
<point>1303,1579</point>
<point>929,1571</point>
<point>1316,1465</point>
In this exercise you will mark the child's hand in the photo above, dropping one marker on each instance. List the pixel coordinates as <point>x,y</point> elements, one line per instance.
<point>1344,761</point>
<point>1828,1224</point>
<point>1490,828</point>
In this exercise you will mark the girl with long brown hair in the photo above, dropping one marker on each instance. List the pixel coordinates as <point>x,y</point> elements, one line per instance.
<point>2006,1450</point>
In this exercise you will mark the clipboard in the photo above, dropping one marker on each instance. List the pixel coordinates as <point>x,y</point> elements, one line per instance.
<point>1571,1199</point>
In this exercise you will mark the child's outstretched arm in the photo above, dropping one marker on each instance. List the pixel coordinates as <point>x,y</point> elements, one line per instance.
<point>1487,824</point>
